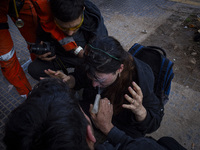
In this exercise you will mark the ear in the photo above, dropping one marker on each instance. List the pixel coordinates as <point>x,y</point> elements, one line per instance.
<point>90,135</point>
<point>121,68</point>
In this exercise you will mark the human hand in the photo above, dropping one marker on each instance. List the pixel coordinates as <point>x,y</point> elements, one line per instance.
<point>81,54</point>
<point>103,119</point>
<point>56,74</point>
<point>46,56</point>
<point>69,79</point>
<point>135,102</point>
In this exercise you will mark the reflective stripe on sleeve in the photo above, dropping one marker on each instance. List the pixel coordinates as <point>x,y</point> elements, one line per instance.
<point>8,55</point>
<point>66,40</point>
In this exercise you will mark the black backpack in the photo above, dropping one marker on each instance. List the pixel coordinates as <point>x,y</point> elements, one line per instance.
<point>156,58</point>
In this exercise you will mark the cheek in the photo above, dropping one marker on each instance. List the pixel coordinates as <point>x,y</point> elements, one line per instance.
<point>110,81</point>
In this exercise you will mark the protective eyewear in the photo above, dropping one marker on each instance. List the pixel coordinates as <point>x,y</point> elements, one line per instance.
<point>72,28</point>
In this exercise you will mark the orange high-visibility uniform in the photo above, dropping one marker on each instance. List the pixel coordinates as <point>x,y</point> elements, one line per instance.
<point>9,63</point>
<point>48,25</point>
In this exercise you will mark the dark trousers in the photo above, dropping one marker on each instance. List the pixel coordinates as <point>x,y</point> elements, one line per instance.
<point>170,143</point>
<point>63,61</point>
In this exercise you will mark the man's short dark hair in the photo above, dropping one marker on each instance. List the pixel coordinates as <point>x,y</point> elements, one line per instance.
<point>67,10</point>
<point>49,119</point>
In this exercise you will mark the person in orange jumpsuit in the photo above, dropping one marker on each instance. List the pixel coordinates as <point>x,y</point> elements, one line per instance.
<point>24,16</point>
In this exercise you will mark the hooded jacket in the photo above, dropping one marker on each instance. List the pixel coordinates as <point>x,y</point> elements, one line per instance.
<point>125,120</point>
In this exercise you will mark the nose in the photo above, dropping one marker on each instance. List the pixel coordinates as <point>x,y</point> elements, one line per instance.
<point>95,84</point>
<point>69,33</point>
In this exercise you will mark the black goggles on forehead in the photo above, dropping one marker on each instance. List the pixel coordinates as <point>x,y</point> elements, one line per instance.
<point>91,51</point>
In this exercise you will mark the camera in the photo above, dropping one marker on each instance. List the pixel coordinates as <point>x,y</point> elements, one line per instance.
<point>40,49</point>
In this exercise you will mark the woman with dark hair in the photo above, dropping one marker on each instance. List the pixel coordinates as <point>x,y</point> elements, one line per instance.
<point>126,81</point>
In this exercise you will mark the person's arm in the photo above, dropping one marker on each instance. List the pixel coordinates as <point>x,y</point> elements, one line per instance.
<point>135,102</point>
<point>154,116</point>
<point>117,138</point>
<point>147,110</point>
<point>121,140</point>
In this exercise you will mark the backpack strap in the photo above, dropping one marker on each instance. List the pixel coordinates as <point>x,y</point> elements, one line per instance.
<point>135,49</point>
<point>158,49</point>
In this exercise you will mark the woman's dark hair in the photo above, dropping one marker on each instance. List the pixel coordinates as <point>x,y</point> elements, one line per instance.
<point>49,119</point>
<point>105,55</point>
<point>67,10</point>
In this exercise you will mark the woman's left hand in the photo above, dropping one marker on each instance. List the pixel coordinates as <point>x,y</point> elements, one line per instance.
<point>135,102</point>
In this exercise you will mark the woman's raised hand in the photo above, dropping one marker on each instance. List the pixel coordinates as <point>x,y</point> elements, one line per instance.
<point>135,102</point>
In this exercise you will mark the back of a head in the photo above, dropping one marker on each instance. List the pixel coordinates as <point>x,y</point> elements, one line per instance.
<point>67,10</point>
<point>49,119</point>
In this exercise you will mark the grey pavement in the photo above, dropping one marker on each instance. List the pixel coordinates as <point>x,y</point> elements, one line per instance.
<point>126,20</point>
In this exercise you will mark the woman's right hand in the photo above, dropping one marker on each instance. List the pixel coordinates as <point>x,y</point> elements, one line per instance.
<point>103,119</point>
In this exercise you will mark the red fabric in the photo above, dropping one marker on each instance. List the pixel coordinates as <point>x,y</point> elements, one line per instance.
<point>11,69</point>
<point>15,75</point>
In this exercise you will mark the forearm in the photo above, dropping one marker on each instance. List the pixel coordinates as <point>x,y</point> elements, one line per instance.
<point>150,123</point>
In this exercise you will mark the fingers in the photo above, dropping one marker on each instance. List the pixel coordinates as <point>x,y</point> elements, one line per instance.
<point>50,72</point>
<point>135,99</point>
<point>42,78</point>
<point>128,98</point>
<point>90,110</point>
<point>128,106</point>
<point>45,56</point>
<point>104,104</point>
<point>137,89</point>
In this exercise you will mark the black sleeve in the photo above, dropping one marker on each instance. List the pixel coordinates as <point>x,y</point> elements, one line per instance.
<point>154,115</point>
<point>121,141</point>
<point>150,100</point>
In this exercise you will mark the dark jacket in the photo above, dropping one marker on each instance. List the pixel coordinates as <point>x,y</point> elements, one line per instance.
<point>125,120</point>
<point>118,140</point>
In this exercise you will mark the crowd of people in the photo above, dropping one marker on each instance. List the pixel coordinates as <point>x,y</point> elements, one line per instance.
<point>71,33</point>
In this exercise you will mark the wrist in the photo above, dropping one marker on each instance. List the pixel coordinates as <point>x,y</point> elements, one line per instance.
<point>141,115</point>
<point>107,129</point>
<point>77,50</point>
<point>81,54</point>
